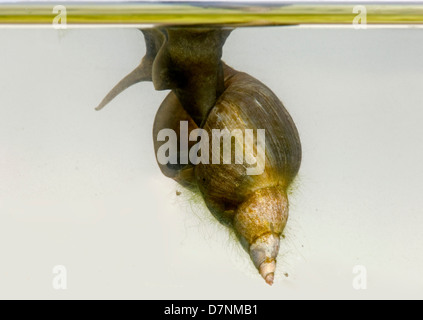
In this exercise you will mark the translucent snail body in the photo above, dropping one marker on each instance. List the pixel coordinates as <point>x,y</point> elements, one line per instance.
<point>210,95</point>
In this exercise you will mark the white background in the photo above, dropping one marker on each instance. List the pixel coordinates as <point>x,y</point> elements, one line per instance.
<point>81,188</point>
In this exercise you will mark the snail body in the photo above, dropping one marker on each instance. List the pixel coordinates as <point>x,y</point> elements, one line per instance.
<point>254,205</point>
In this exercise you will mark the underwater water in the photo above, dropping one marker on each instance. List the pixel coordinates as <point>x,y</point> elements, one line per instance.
<point>82,188</point>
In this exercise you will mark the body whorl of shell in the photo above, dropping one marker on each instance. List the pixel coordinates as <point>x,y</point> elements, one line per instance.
<point>208,94</point>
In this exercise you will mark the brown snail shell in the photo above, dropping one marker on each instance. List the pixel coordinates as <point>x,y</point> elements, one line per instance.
<point>210,95</point>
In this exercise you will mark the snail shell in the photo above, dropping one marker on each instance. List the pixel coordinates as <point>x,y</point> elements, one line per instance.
<point>256,206</point>
<point>208,94</point>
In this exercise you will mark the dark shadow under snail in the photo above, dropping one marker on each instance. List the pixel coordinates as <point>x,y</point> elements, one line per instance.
<point>208,94</point>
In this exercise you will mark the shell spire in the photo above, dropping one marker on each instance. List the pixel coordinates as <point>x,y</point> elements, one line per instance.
<point>259,221</point>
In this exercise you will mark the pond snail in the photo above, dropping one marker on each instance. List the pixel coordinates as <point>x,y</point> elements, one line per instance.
<point>209,95</point>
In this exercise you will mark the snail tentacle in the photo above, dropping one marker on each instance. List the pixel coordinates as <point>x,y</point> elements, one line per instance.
<point>154,39</point>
